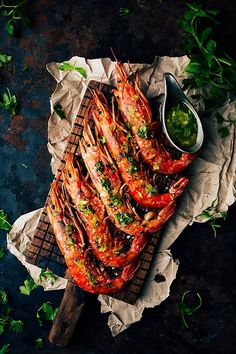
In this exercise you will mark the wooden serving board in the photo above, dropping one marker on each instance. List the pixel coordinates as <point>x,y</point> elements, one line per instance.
<point>43,250</point>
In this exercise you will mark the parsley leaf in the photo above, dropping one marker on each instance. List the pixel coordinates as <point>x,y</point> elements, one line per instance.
<point>4,349</point>
<point>2,252</point>
<point>28,287</point>
<point>4,224</point>
<point>48,275</point>
<point>186,310</point>
<point>9,102</point>
<point>211,214</point>
<point>68,67</point>
<point>124,11</point>
<point>58,109</point>
<point>16,326</point>
<point>3,297</point>
<point>39,343</point>
<point>16,14</point>
<point>46,313</point>
<point>4,59</point>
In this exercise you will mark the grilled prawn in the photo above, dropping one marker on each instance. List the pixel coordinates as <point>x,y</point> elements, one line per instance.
<point>136,111</point>
<point>112,251</point>
<point>88,273</point>
<point>122,150</point>
<point>107,182</point>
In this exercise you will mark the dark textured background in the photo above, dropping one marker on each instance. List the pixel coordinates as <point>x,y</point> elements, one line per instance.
<point>88,28</point>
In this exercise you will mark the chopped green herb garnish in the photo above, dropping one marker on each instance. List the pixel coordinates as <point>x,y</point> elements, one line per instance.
<point>68,67</point>
<point>3,297</point>
<point>129,136</point>
<point>46,313</point>
<point>115,201</point>
<point>4,224</point>
<point>150,189</point>
<point>58,109</point>
<point>99,166</point>
<point>106,184</point>
<point>4,59</point>
<point>103,140</point>
<point>144,132</point>
<point>28,287</point>
<point>47,275</point>
<point>124,218</point>
<point>9,102</point>
<point>85,207</point>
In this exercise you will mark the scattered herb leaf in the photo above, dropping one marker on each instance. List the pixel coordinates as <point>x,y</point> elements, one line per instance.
<point>211,214</point>
<point>58,109</point>
<point>211,70</point>
<point>39,343</point>
<point>28,287</point>
<point>16,14</point>
<point>3,297</point>
<point>186,310</point>
<point>4,59</point>
<point>46,313</point>
<point>4,224</point>
<point>16,326</point>
<point>48,275</point>
<point>5,349</point>
<point>2,252</point>
<point>9,102</point>
<point>68,67</point>
<point>124,11</point>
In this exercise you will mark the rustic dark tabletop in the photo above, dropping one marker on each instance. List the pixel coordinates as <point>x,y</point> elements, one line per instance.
<point>61,29</point>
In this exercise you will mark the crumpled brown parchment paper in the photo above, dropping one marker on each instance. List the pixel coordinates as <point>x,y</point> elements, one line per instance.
<point>212,176</point>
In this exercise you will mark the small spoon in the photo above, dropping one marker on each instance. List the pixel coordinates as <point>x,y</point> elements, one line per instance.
<point>174,97</point>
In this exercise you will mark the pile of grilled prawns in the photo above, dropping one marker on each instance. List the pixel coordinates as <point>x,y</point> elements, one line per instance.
<point>98,229</point>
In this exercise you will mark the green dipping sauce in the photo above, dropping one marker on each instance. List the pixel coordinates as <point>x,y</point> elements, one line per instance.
<point>182,126</point>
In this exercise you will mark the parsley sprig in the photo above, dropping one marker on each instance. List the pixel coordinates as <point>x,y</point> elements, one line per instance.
<point>16,14</point>
<point>6,321</point>
<point>28,287</point>
<point>46,313</point>
<point>186,310</point>
<point>4,59</point>
<point>68,67</point>
<point>5,349</point>
<point>47,275</point>
<point>211,214</point>
<point>211,70</point>
<point>9,102</point>
<point>4,224</point>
